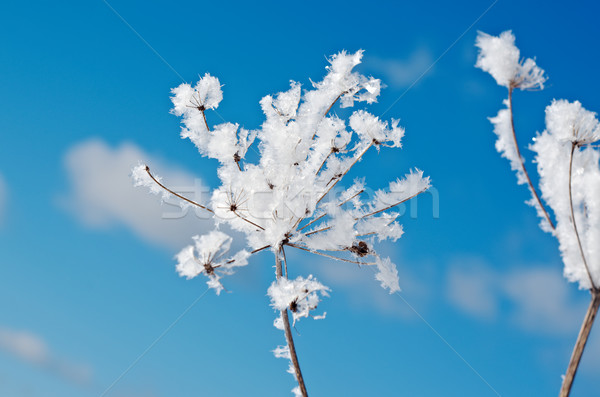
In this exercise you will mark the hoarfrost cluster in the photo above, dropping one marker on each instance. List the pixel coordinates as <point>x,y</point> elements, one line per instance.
<point>289,197</point>
<point>502,59</point>
<point>567,161</point>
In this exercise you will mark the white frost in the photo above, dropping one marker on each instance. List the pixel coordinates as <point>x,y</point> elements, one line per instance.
<point>387,275</point>
<point>570,124</point>
<point>300,296</point>
<point>286,196</point>
<point>499,56</point>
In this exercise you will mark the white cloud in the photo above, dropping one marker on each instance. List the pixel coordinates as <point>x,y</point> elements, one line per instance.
<point>543,301</point>
<point>469,287</point>
<point>30,348</point>
<point>102,194</point>
<point>538,299</point>
<point>401,73</point>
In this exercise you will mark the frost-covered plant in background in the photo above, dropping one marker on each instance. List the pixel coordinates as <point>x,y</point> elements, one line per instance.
<point>568,169</point>
<point>286,199</point>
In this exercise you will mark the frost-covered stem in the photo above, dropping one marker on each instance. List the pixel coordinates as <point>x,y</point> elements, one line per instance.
<point>514,134</point>
<point>333,103</point>
<point>205,122</point>
<point>351,197</point>
<point>323,215</point>
<point>260,249</point>
<point>324,161</point>
<point>311,222</point>
<point>318,231</point>
<point>393,205</point>
<point>328,256</point>
<point>248,220</point>
<point>284,261</point>
<point>175,194</point>
<point>328,109</point>
<point>587,269</point>
<point>345,172</point>
<point>288,330</point>
<point>372,233</point>
<point>584,333</point>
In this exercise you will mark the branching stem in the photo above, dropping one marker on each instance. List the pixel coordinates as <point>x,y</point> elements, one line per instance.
<point>533,191</point>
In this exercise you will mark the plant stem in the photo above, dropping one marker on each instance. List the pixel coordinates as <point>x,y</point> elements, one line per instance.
<point>533,191</point>
<point>176,194</point>
<point>205,122</point>
<point>329,256</point>
<point>584,333</point>
<point>248,220</point>
<point>587,269</point>
<point>393,205</point>
<point>288,330</point>
<point>345,172</point>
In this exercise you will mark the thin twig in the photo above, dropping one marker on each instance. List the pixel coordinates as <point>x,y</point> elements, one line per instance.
<point>205,122</point>
<point>582,338</point>
<point>587,269</point>
<point>533,191</point>
<point>318,231</point>
<point>393,205</point>
<point>347,170</point>
<point>372,233</point>
<point>260,249</point>
<point>313,221</point>
<point>350,198</point>
<point>324,161</point>
<point>333,103</point>
<point>288,333</point>
<point>176,194</point>
<point>323,215</point>
<point>248,220</point>
<point>284,261</point>
<point>328,109</point>
<point>329,256</point>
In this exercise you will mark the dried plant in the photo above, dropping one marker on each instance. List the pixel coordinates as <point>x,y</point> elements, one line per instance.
<point>286,199</point>
<point>568,168</point>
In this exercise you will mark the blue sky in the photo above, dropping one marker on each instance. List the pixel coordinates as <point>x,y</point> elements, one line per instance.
<point>87,280</point>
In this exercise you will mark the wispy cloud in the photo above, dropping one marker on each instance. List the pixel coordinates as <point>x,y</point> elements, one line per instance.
<point>400,73</point>
<point>543,301</point>
<point>102,194</point>
<point>31,348</point>
<point>470,288</point>
<point>537,299</point>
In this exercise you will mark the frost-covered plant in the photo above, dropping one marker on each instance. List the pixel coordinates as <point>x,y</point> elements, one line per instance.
<point>286,199</point>
<point>568,168</point>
